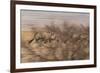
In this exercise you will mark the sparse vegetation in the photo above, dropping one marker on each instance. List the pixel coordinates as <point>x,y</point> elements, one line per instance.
<point>52,43</point>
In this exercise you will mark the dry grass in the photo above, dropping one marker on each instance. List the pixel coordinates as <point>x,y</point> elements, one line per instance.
<point>53,43</point>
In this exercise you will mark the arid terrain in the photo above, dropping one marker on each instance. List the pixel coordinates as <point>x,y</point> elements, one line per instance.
<point>54,43</point>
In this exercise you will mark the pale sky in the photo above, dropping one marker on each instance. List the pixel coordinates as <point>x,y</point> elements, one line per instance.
<point>41,18</point>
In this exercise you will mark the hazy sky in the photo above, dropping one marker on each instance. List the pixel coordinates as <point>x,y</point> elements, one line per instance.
<point>41,18</point>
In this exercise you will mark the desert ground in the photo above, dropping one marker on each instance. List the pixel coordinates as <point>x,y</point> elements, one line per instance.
<point>54,43</point>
